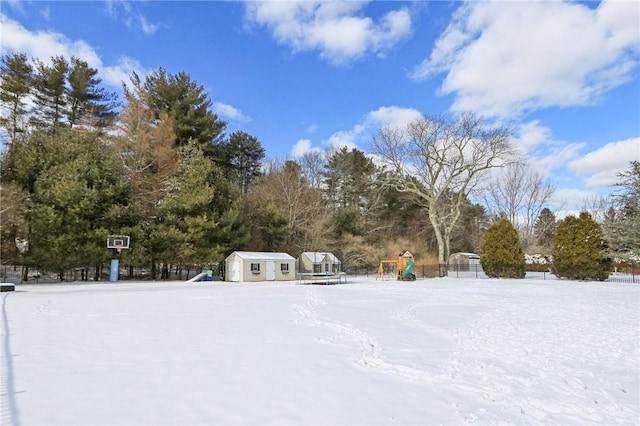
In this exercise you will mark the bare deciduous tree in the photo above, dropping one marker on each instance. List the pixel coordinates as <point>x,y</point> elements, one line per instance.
<point>438,161</point>
<point>597,206</point>
<point>520,194</point>
<point>313,164</point>
<point>309,222</point>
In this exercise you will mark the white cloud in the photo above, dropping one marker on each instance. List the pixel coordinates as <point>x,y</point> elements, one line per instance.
<point>229,112</point>
<point>571,201</point>
<point>146,26</point>
<point>361,132</point>
<point>302,147</point>
<point>392,116</point>
<point>45,44</point>
<point>505,58</point>
<point>120,72</point>
<point>345,138</point>
<point>600,167</point>
<point>532,135</point>
<point>335,28</point>
<point>129,13</point>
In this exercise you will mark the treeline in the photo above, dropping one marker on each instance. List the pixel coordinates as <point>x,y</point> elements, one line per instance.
<point>79,164</point>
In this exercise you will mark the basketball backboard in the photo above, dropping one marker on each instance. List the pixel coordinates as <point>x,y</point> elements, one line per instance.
<point>118,242</point>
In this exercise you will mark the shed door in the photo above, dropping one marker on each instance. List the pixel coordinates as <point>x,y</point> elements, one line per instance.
<point>234,271</point>
<point>271,271</point>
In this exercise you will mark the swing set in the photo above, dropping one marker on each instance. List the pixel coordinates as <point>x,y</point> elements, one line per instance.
<point>399,269</point>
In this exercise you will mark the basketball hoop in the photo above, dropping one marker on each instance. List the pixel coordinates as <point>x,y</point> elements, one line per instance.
<point>118,242</point>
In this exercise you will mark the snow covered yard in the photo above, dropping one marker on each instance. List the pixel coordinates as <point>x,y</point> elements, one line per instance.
<point>441,351</point>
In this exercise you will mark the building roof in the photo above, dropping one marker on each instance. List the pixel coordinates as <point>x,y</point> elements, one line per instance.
<point>320,256</point>
<point>469,255</point>
<point>260,255</point>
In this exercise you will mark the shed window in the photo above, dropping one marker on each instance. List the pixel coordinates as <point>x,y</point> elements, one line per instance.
<point>255,268</point>
<point>317,268</point>
<point>284,268</point>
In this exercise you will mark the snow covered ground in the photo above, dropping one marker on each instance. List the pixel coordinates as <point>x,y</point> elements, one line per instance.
<point>439,351</point>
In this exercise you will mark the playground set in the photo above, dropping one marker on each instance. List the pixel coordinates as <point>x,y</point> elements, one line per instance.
<point>400,269</point>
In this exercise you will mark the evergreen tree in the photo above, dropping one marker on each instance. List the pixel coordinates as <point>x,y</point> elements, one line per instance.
<point>501,254</point>
<point>50,90</point>
<point>544,229</point>
<point>579,250</point>
<point>466,235</point>
<point>267,225</point>
<point>188,106</point>
<point>349,187</point>
<point>186,209</point>
<point>348,178</point>
<point>76,203</point>
<point>241,158</point>
<point>88,102</point>
<point>622,223</point>
<point>13,226</point>
<point>16,80</point>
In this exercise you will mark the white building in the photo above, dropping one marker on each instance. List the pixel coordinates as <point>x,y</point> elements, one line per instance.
<point>465,261</point>
<point>246,266</point>
<point>318,262</point>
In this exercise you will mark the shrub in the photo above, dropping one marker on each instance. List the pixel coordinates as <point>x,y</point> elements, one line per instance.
<point>578,250</point>
<point>501,255</point>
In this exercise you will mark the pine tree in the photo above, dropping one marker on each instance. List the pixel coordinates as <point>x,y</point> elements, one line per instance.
<point>348,178</point>
<point>188,106</point>
<point>51,103</point>
<point>88,103</point>
<point>186,209</point>
<point>77,201</point>
<point>501,254</point>
<point>622,223</point>
<point>16,80</point>
<point>579,250</point>
<point>240,158</point>
<point>544,228</point>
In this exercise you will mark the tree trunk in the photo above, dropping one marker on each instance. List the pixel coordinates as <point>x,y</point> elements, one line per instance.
<point>165,271</point>
<point>154,270</point>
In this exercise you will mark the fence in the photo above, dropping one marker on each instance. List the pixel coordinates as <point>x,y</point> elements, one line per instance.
<point>625,274</point>
<point>13,274</point>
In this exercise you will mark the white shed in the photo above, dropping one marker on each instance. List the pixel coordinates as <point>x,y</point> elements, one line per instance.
<point>465,261</point>
<point>246,266</point>
<point>319,262</point>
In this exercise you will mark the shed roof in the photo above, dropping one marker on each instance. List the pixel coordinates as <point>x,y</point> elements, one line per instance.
<point>469,255</point>
<point>320,256</point>
<point>260,255</point>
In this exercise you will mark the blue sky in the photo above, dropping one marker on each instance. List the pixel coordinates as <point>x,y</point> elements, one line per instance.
<point>307,75</point>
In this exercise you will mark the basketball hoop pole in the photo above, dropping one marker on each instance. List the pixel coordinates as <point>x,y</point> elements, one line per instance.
<point>117,242</point>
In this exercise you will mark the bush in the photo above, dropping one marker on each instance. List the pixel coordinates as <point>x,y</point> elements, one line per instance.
<point>501,255</point>
<point>578,250</point>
